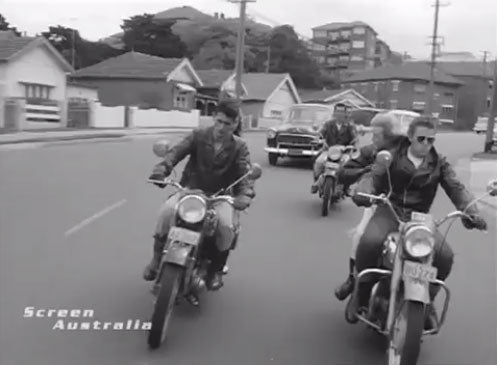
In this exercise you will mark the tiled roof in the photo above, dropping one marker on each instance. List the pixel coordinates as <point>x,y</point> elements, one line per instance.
<point>340,25</point>
<point>131,65</point>
<point>317,95</point>
<point>261,85</point>
<point>405,71</point>
<point>9,45</point>
<point>214,78</point>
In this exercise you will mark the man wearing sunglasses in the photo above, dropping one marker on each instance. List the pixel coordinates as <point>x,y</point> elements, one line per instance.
<point>417,170</point>
<point>217,159</point>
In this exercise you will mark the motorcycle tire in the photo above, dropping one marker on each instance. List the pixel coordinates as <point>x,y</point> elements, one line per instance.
<point>414,318</point>
<point>328,190</point>
<point>169,287</point>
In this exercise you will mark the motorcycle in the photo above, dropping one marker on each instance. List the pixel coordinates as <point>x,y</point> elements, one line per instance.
<point>330,191</point>
<point>184,263</point>
<point>400,294</point>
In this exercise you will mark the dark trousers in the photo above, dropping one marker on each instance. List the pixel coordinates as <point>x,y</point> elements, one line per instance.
<point>381,224</point>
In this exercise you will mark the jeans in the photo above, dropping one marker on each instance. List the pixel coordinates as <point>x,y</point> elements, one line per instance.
<point>227,227</point>
<point>319,164</point>
<point>379,226</point>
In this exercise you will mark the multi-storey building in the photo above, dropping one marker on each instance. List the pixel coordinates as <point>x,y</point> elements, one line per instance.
<point>348,46</point>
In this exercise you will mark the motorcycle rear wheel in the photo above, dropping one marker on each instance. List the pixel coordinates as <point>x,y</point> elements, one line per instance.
<point>328,189</point>
<point>405,351</point>
<point>169,288</point>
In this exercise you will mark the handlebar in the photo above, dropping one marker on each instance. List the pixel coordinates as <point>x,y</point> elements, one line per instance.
<point>226,198</point>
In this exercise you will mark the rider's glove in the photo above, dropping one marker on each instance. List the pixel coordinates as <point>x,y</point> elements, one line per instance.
<point>241,202</point>
<point>159,173</point>
<point>361,201</point>
<point>474,222</point>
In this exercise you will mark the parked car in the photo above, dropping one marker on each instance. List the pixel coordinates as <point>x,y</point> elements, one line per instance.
<point>481,125</point>
<point>298,134</point>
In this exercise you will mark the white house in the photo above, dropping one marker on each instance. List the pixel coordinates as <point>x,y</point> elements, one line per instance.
<point>33,81</point>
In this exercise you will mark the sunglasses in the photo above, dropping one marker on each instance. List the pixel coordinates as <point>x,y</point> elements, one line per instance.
<point>421,139</point>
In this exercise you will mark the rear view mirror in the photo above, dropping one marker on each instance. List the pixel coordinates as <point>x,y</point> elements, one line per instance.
<point>255,172</point>
<point>161,147</point>
<point>384,158</point>
<point>492,187</point>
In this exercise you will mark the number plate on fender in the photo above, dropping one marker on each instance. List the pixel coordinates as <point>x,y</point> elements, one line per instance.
<point>331,165</point>
<point>184,235</point>
<point>420,271</point>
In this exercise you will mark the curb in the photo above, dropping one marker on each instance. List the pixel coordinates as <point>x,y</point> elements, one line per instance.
<point>64,138</point>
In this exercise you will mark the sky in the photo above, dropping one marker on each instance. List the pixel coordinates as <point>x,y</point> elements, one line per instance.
<point>406,25</point>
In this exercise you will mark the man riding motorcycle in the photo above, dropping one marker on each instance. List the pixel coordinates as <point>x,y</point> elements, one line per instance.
<point>416,171</point>
<point>385,135</point>
<point>217,159</point>
<point>337,131</point>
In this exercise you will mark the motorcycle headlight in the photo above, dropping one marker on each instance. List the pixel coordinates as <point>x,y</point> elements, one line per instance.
<point>334,153</point>
<point>419,241</point>
<point>271,134</point>
<point>192,209</point>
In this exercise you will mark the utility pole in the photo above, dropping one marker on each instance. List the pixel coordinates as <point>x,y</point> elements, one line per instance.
<point>434,45</point>
<point>484,71</point>
<point>493,113</point>
<point>240,46</point>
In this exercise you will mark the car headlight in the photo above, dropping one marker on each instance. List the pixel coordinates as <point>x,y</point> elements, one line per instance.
<point>419,241</point>
<point>334,153</point>
<point>271,134</point>
<point>192,209</point>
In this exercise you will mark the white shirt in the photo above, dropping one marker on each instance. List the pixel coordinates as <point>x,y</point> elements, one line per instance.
<point>416,161</point>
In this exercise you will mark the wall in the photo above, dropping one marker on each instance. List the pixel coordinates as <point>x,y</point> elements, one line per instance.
<point>107,117</point>
<point>36,66</point>
<point>158,118</point>
<point>73,91</point>
<point>280,101</point>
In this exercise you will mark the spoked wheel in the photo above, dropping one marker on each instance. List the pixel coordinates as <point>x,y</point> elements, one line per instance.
<point>169,287</point>
<point>328,188</point>
<point>405,342</point>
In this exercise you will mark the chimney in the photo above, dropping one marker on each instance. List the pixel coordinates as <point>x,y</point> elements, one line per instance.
<point>222,15</point>
<point>216,15</point>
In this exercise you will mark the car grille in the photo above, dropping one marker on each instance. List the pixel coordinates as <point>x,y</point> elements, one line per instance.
<point>295,140</point>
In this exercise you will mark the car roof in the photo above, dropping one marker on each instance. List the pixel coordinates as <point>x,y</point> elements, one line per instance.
<point>405,112</point>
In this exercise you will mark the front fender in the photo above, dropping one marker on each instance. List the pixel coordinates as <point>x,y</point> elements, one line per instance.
<point>416,290</point>
<point>178,255</point>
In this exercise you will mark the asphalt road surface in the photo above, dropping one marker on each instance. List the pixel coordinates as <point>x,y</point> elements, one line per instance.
<point>76,223</point>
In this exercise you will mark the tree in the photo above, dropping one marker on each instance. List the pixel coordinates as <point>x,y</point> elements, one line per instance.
<point>143,34</point>
<point>86,53</point>
<point>4,25</point>
<point>289,54</point>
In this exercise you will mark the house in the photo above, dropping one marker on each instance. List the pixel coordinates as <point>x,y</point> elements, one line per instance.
<point>210,92</point>
<point>137,79</point>
<point>79,91</point>
<point>405,86</point>
<point>348,96</point>
<point>32,83</point>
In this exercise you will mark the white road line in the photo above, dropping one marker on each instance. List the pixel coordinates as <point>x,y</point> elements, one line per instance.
<point>94,217</point>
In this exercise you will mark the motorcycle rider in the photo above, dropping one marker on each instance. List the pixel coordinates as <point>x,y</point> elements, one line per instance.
<point>416,171</point>
<point>337,131</point>
<point>385,135</point>
<point>217,159</point>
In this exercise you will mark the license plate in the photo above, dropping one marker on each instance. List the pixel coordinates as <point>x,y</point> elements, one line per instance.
<point>294,152</point>
<point>419,271</point>
<point>331,165</point>
<point>184,235</point>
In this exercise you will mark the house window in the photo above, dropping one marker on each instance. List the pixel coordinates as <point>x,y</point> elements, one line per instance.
<point>393,104</point>
<point>276,113</point>
<point>358,44</point>
<point>359,30</point>
<point>320,33</point>
<point>333,35</point>
<point>36,91</point>
<point>418,105</point>
<point>357,58</point>
<point>345,33</point>
<point>181,101</point>
<point>395,85</point>
<point>489,102</point>
<point>490,84</point>
<point>419,88</point>
<point>447,108</point>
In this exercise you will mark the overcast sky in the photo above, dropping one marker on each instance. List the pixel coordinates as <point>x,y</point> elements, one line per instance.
<point>466,25</point>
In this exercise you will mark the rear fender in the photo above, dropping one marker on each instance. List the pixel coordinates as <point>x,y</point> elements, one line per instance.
<point>178,255</point>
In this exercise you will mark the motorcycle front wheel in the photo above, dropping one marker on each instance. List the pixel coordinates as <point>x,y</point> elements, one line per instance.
<point>405,343</point>
<point>328,189</point>
<point>169,287</point>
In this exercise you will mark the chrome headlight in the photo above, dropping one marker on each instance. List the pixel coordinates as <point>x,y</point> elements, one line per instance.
<point>334,153</point>
<point>271,134</point>
<point>192,209</point>
<point>419,241</point>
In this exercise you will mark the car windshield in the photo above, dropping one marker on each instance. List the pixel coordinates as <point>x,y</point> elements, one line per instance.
<point>309,115</point>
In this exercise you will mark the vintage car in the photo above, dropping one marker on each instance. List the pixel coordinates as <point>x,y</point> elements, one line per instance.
<point>298,134</point>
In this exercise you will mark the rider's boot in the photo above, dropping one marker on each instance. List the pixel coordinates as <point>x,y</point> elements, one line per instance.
<point>344,290</point>
<point>150,272</point>
<point>215,272</point>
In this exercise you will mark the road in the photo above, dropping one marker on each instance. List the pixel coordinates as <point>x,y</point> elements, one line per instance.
<point>76,224</point>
